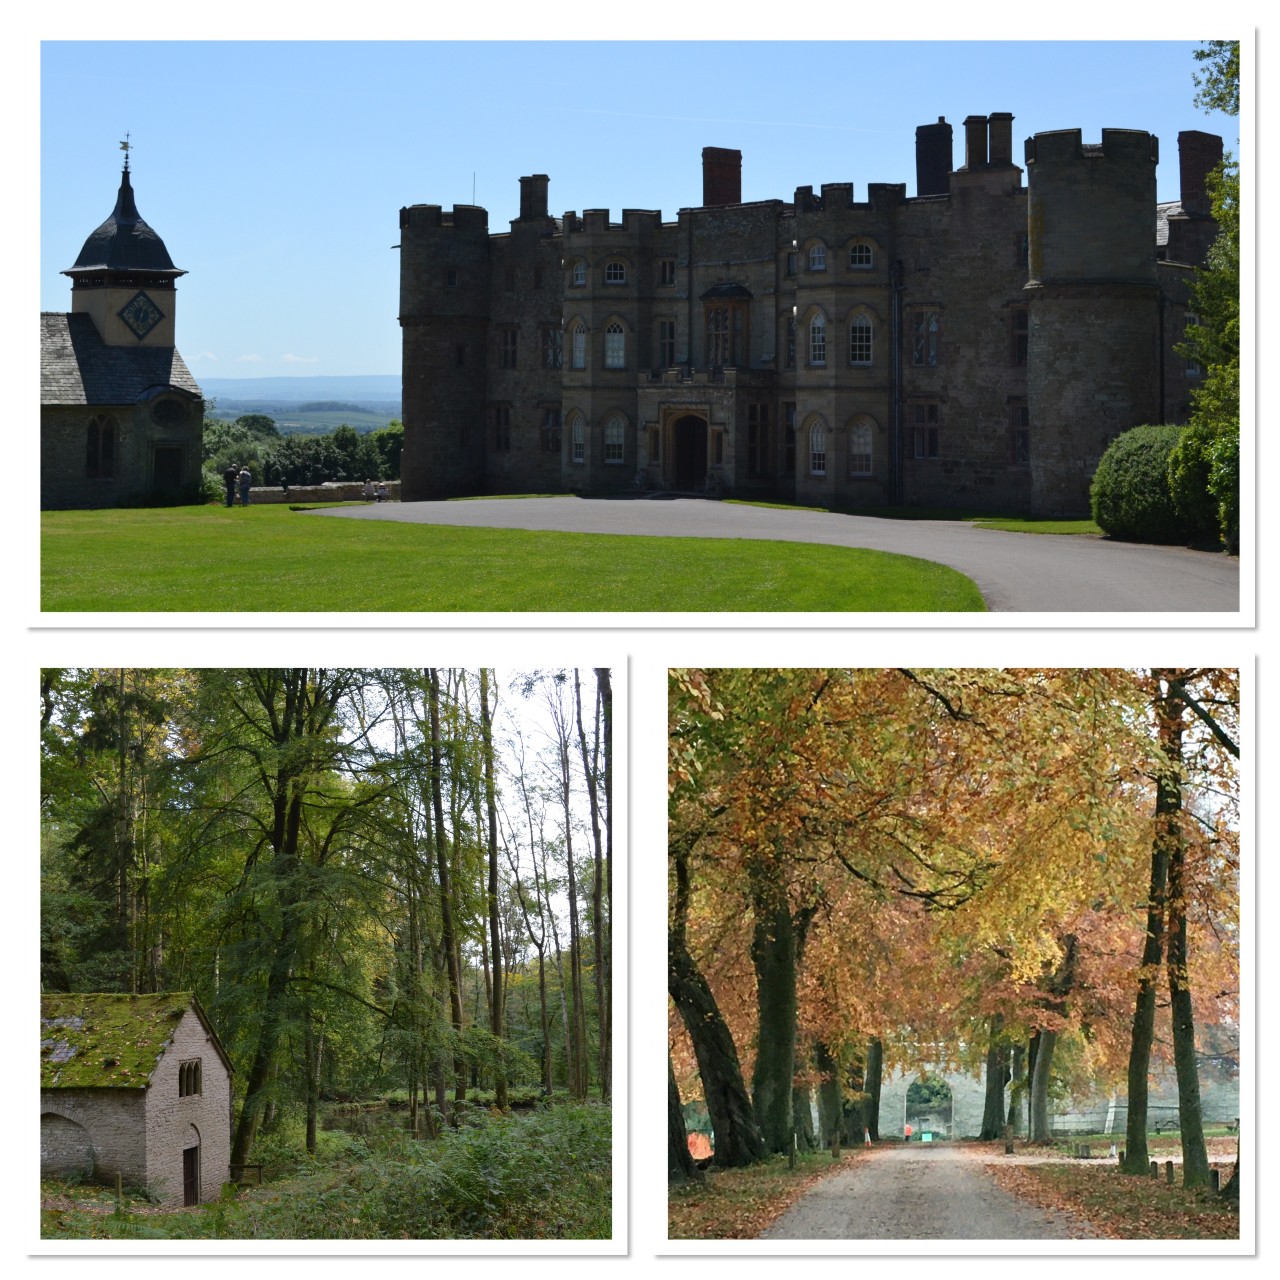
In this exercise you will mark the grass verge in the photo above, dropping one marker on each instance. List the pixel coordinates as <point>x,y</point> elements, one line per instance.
<point>738,1204</point>
<point>270,559</point>
<point>1122,1207</point>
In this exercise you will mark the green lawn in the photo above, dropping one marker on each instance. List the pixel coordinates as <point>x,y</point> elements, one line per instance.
<point>269,558</point>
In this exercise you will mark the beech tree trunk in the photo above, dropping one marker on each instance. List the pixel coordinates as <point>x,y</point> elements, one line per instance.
<point>680,1165</point>
<point>1195,1157</point>
<point>738,1140</point>
<point>1168,806</point>
<point>1045,1042</point>
<point>829,1096</point>
<point>773,954</point>
<point>993,1113</point>
<point>875,1076</point>
<point>1017,1083</point>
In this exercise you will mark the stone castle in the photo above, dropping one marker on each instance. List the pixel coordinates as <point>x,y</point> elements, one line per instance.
<point>975,346</point>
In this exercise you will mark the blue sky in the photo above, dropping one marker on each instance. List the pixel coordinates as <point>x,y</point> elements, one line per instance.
<point>274,172</point>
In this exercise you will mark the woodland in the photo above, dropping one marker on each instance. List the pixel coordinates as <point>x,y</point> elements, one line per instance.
<point>389,889</point>
<point>1032,875</point>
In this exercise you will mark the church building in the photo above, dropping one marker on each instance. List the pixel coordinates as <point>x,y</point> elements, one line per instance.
<point>120,415</point>
<point>974,346</point>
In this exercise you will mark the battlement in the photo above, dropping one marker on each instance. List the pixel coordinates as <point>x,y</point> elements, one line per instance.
<point>1066,146</point>
<point>596,222</point>
<point>462,217</point>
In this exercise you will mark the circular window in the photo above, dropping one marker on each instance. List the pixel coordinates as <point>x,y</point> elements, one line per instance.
<point>169,412</point>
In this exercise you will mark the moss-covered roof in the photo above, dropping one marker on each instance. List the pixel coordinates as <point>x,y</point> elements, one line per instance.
<point>106,1041</point>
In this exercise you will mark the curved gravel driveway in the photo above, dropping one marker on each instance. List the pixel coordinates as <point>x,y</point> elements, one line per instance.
<point>919,1193</point>
<point>1015,572</point>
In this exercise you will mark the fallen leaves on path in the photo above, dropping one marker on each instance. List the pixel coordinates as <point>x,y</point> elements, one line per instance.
<point>1118,1206</point>
<point>739,1204</point>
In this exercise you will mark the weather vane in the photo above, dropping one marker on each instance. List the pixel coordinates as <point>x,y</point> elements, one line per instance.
<point>126,147</point>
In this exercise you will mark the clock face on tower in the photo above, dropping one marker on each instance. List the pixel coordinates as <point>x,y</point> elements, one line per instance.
<point>140,314</point>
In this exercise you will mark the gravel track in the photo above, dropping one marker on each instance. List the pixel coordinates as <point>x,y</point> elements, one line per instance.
<point>919,1193</point>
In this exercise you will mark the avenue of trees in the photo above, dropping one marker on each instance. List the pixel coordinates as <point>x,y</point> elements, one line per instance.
<point>376,881</point>
<point>1028,874</point>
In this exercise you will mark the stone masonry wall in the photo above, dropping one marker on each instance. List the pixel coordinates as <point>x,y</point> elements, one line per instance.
<point>113,1120</point>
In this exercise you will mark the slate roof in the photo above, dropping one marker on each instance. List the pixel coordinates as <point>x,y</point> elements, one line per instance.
<point>77,367</point>
<point>110,1041</point>
<point>124,242</point>
<point>1171,208</point>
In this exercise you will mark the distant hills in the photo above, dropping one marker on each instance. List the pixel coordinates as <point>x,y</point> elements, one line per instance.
<point>360,388</point>
<point>310,404</point>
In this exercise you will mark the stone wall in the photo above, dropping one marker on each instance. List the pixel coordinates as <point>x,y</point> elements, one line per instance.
<point>112,1119</point>
<point>330,491</point>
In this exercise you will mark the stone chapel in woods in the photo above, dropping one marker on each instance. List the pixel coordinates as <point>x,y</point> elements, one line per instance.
<point>135,1085</point>
<point>121,417</point>
<point>976,345</point>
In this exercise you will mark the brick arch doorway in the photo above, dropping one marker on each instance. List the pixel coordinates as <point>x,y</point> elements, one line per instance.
<point>689,453</point>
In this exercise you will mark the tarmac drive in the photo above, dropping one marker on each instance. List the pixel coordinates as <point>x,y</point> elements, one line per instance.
<point>919,1192</point>
<point>1016,572</point>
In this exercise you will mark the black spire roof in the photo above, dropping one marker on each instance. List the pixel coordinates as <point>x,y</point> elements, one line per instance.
<point>125,242</point>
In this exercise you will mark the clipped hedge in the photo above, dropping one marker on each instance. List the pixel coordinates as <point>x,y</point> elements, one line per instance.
<point>1130,495</point>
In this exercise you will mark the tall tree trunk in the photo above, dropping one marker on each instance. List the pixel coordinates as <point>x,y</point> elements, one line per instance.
<point>1045,1042</point>
<point>1168,810</point>
<point>773,955</point>
<point>680,1165</point>
<point>590,770</point>
<point>738,1140</point>
<point>993,1107</point>
<point>490,797</point>
<point>604,696</point>
<point>875,1078</point>
<point>1017,1086</point>
<point>830,1098</point>
<point>1195,1158</point>
<point>448,936</point>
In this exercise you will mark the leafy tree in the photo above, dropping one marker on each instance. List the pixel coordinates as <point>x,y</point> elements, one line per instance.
<point>1207,460</point>
<point>259,425</point>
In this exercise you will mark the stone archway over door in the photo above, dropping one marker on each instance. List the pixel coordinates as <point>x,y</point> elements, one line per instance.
<point>689,453</point>
<point>65,1147</point>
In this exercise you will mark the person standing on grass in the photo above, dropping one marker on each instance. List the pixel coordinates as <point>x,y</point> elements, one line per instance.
<point>229,478</point>
<point>246,483</point>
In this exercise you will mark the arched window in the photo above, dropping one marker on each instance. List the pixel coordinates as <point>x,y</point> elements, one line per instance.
<point>578,276</point>
<point>577,438</point>
<point>818,257</point>
<point>817,448</point>
<point>100,447</point>
<point>578,351</point>
<point>860,339</point>
<point>615,347</point>
<point>860,257</point>
<point>818,340</point>
<point>614,440</point>
<point>615,272</point>
<point>861,432</point>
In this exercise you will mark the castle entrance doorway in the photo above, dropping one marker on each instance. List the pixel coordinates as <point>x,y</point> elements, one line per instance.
<point>689,441</point>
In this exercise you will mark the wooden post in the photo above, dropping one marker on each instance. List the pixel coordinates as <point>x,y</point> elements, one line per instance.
<point>1155,1169</point>
<point>119,1194</point>
<point>1085,1152</point>
<point>1008,1140</point>
<point>1215,1180</point>
<point>1120,1163</point>
<point>1168,1172</point>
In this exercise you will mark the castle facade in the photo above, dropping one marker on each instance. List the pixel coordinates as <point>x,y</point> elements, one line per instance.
<point>975,346</point>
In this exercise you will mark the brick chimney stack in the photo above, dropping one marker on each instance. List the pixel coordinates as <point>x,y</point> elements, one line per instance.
<point>721,176</point>
<point>975,142</point>
<point>1001,135</point>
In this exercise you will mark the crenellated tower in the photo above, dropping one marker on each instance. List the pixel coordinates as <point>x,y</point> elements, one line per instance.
<point>1094,303</point>
<point>444,321</point>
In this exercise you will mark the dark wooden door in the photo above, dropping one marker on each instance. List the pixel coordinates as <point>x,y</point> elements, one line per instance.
<point>191,1176</point>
